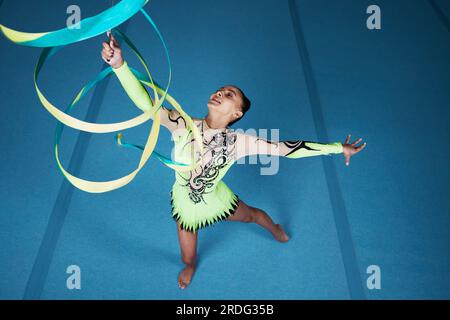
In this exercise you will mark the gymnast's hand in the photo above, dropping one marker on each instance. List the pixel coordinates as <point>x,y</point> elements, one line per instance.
<point>351,149</point>
<point>111,53</point>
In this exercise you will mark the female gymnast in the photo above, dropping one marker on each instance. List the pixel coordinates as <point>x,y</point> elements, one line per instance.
<point>199,197</point>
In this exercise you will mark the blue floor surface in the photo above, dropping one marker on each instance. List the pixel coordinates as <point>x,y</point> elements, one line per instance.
<point>313,70</point>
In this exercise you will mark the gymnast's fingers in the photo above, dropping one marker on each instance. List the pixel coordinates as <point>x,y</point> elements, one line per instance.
<point>114,45</point>
<point>358,149</point>
<point>107,53</point>
<point>106,45</point>
<point>347,140</point>
<point>356,142</point>
<point>106,59</point>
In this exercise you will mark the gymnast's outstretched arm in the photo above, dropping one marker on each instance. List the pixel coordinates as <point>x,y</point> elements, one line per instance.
<point>112,55</point>
<point>247,145</point>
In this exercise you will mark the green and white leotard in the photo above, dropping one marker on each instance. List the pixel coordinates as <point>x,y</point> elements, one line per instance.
<point>200,197</point>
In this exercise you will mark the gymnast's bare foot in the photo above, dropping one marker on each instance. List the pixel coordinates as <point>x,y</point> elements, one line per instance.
<point>279,234</point>
<point>185,276</point>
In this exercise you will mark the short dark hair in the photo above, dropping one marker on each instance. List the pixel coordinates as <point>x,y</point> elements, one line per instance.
<point>246,103</point>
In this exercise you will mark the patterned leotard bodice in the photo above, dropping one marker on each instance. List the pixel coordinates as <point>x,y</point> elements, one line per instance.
<point>201,192</point>
<point>218,157</point>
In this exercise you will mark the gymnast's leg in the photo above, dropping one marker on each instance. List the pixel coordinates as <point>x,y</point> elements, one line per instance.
<point>245,213</point>
<point>188,246</point>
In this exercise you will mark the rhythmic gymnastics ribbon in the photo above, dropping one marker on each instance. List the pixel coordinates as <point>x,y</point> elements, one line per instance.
<point>90,27</point>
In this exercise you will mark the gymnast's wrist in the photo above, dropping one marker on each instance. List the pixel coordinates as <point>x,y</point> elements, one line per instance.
<point>119,65</point>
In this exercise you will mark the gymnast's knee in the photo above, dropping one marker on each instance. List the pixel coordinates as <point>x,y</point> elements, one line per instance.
<point>250,216</point>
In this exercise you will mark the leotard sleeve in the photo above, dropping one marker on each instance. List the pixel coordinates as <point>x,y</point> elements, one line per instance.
<point>171,119</point>
<point>247,145</point>
<point>133,87</point>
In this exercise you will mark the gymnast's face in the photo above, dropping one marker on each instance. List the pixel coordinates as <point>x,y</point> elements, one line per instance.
<point>227,102</point>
